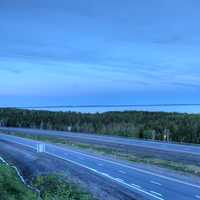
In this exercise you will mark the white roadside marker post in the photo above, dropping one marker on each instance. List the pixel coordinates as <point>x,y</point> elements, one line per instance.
<point>40,148</point>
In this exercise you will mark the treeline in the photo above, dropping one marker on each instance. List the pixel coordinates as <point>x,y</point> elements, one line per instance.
<point>149,125</point>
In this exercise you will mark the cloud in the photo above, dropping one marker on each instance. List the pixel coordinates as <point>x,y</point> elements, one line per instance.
<point>186,85</point>
<point>100,47</point>
<point>10,69</point>
<point>171,40</point>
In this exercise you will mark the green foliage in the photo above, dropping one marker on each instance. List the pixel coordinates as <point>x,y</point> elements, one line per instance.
<point>53,187</point>
<point>149,125</point>
<point>11,187</point>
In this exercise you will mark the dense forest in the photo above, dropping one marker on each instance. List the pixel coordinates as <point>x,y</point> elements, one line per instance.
<point>149,125</point>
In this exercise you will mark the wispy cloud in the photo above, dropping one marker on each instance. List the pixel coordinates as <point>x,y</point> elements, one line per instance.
<point>103,47</point>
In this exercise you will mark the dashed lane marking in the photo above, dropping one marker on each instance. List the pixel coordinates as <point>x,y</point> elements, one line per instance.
<point>156,183</point>
<point>122,172</point>
<point>108,176</point>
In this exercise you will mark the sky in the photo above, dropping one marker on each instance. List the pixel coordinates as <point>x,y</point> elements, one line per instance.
<point>60,52</point>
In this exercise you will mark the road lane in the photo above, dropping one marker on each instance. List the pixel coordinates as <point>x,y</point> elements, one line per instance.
<point>170,147</point>
<point>135,179</point>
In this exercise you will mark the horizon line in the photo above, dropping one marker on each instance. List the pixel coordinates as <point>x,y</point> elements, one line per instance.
<point>101,106</point>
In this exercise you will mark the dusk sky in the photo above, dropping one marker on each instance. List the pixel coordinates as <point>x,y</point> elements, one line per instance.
<point>57,52</point>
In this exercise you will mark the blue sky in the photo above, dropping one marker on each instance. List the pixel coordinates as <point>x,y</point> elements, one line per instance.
<point>99,52</point>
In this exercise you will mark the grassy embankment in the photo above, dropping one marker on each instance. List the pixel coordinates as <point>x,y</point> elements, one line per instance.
<point>11,187</point>
<point>103,150</point>
<point>51,187</point>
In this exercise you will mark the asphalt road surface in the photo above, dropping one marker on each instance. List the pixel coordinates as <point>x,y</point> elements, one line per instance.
<point>153,186</point>
<point>163,146</point>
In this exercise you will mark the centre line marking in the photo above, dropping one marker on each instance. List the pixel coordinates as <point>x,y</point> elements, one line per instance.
<point>112,162</point>
<point>134,168</point>
<point>156,183</point>
<point>108,176</point>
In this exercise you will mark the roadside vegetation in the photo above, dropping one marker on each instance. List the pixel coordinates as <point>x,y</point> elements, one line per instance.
<point>51,187</point>
<point>54,187</point>
<point>177,127</point>
<point>11,187</point>
<point>105,150</point>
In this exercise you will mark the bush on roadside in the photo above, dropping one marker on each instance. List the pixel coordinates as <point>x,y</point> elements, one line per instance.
<point>54,187</point>
<point>11,187</point>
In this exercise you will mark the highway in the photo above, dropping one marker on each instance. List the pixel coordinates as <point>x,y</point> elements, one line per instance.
<point>151,185</point>
<point>163,146</point>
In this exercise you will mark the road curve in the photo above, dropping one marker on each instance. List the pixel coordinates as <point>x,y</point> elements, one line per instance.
<point>152,186</point>
<point>163,146</point>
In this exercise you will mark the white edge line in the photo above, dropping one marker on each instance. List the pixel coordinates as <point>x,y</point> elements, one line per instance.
<point>8,137</point>
<point>136,185</point>
<point>156,193</point>
<point>26,145</point>
<point>91,169</point>
<point>113,162</point>
<point>107,175</point>
<point>134,168</point>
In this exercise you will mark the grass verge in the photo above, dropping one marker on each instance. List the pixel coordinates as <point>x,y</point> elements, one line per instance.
<point>11,187</point>
<point>51,187</point>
